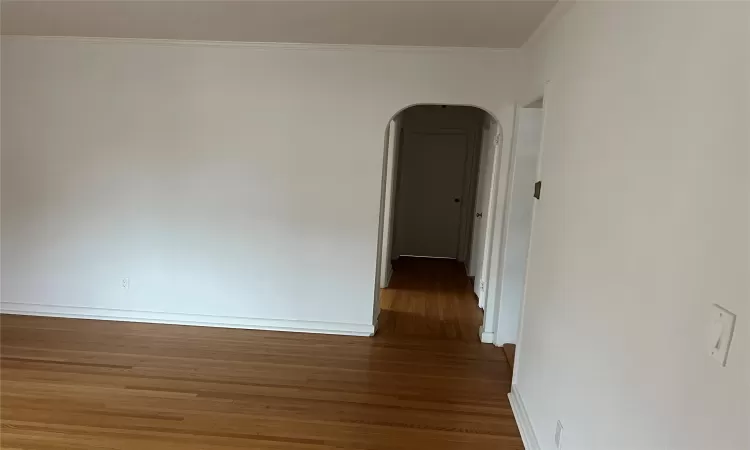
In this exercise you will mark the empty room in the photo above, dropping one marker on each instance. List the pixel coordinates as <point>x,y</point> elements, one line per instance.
<point>374,224</point>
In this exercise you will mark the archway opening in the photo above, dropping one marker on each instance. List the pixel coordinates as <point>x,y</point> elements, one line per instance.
<point>438,195</point>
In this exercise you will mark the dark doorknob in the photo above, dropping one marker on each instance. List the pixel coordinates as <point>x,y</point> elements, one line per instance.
<point>456,200</point>
<point>479,214</point>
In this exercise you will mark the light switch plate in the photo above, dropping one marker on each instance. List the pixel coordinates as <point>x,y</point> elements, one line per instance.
<point>721,331</point>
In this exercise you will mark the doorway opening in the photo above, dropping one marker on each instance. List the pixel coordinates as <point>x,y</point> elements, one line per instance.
<point>437,209</point>
<point>523,197</point>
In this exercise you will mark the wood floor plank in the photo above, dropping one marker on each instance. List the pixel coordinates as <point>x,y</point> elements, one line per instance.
<point>64,387</point>
<point>429,298</point>
<point>424,382</point>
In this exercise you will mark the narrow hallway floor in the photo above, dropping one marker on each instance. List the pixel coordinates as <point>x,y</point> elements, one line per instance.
<point>429,298</point>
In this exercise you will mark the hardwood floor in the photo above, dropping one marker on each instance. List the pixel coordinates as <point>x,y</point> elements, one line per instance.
<point>424,382</point>
<point>429,298</point>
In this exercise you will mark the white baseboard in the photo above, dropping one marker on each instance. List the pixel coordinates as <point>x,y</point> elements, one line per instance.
<point>522,419</point>
<point>299,326</point>
<point>487,337</point>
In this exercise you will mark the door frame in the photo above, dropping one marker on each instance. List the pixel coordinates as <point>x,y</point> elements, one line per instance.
<point>481,277</point>
<point>497,180</point>
<point>496,221</point>
<point>504,118</point>
<point>544,98</point>
<point>502,336</point>
<point>395,135</point>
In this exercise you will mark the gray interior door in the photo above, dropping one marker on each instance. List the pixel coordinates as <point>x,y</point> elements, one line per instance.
<point>431,179</point>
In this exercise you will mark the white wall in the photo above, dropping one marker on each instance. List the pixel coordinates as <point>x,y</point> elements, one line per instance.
<point>229,183</point>
<point>642,225</point>
<point>517,231</point>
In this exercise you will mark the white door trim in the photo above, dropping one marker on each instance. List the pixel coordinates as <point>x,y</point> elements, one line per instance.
<point>495,224</point>
<point>490,219</point>
<point>387,226</point>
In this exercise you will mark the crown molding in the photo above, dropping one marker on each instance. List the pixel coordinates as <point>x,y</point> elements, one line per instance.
<point>270,45</point>
<point>556,13</point>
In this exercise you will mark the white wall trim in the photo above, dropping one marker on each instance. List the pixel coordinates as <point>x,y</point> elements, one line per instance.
<point>522,419</point>
<point>390,274</point>
<point>387,202</point>
<point>491,213</point>
<point>76,312</point>
<point>486,337</point>
<point>496,219</point>
<point>272,45</point>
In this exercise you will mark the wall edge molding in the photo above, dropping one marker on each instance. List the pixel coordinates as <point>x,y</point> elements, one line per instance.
<point>522,419</point>
<point>298,326</point>
<point>556,13</point>
<point>487,337</point>
<point>267,45</point>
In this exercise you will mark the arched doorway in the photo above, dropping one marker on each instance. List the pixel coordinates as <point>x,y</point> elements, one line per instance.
<point>437,220</point>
